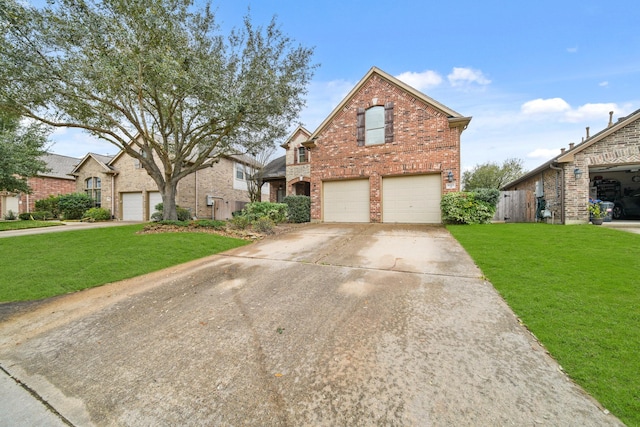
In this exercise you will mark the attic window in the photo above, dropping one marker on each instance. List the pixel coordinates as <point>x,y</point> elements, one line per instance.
<point>375,125</point>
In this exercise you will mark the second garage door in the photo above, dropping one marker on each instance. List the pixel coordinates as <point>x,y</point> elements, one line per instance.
<point>346,201</point>
<point>132,207</point>
<point>411,199</point>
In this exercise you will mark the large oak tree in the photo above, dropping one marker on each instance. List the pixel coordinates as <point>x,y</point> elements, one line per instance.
<point>153,77</point>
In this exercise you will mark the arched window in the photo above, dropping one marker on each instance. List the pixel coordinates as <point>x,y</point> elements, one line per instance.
<point>93,187</point>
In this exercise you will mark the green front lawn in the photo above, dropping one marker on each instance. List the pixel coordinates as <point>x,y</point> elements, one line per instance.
<point>577,288</point>
<point>41,266</point>
<point>20,225</point>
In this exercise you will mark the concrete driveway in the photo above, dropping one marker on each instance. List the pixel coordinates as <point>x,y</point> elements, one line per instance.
<point>327,325</point>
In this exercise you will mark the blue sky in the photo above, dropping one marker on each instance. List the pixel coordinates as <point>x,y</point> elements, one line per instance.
<point>532,74</point>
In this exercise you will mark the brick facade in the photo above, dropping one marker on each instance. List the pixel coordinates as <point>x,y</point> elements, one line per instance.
<point>424,142</point>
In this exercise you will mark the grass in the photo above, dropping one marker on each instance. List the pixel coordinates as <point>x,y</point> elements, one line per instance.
<point>21,225</point>
<point>41,266</point>
<point>577,288</point>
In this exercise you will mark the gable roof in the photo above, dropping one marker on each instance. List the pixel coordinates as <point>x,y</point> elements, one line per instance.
<point>59,166</point>
<point>568,156</point>
<point>299,129</point>
<point>622,122</point>
<point>101,159</point>
<point>455,119</point>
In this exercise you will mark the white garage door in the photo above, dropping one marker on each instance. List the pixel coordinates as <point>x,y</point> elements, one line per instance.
<point>346,201</point>
<point>411,199</point>
<point>154,198</point>
<point>132,207</point>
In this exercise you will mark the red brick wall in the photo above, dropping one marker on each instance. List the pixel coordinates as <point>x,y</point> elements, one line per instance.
<point>43,187</point>
<point>423,143</point>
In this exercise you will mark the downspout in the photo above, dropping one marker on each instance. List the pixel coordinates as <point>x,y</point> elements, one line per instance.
<point>561,190</point>
<point>113,198</point>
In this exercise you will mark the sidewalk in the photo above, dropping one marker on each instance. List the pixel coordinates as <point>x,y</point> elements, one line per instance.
<point>66,226</point>
<point>19,408</point>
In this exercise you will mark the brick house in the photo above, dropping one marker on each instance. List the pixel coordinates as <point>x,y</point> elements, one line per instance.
<point>121,185</point>
<point>386,153</point>
<point>54,182</point>
<point>603,166</point>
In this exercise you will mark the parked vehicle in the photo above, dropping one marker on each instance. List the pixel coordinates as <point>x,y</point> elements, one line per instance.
<point>627,206</point>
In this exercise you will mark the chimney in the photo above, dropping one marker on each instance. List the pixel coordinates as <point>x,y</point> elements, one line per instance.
<point>562,150</point>
<point>571,144</point>
<point>610,119</point>
<point>587,132</point>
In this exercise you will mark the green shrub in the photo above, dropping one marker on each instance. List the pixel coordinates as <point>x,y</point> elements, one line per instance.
<point>98,214</point>
<point>264,225</point>
<point>50,204</point>
<point>464,208</point>
<point>277,212</point>
<point>210,223</point>
<point>36,216</point>
<point>240,222</point>
<point>73,206</point>
<point>183,214</point>
<point>299,208</point>
<point>488,195</point>
<point>10,215</point>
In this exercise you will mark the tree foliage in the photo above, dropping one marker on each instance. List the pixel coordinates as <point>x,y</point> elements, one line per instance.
<point>153,77</point>
<point>255,173</point>
<point>493,175</point>
<point>21,148</point>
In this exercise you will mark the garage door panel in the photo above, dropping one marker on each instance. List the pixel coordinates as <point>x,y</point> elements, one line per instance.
<point>346,201</point>
<point>132,207</point>
<point>411,199</point>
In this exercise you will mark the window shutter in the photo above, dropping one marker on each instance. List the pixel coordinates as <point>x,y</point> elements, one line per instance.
<point>295,155</point>
<point>388,122</point>
<point>360,127</point>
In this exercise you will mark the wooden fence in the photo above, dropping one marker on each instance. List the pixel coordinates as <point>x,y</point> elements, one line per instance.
<point>516,206</point>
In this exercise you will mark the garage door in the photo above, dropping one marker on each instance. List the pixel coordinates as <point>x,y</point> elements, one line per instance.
<point>132,207</point>
<point>346,201</point>
<point>154,198</point>
<point>411,199</point>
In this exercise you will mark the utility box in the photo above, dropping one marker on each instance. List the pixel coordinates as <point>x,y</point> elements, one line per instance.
<point>210,201</point>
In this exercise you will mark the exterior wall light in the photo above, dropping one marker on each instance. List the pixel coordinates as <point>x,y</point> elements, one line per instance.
<point>577,173</point>
<point>450,176</point>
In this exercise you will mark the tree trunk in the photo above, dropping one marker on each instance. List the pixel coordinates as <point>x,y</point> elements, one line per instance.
<point>169,211</point>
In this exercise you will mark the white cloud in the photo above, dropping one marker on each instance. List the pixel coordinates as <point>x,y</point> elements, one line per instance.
<point>465,76</point>
<point>590,111</point>
<point>572,49</point>
<point>603,84</point>
<point>421,81</point>
<point>543,153</point>
<point>545,106</point>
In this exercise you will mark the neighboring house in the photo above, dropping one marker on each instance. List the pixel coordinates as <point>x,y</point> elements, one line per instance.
<point>386,153</point>
<point>604,166</point>
<point>121,185</point>
<point>54,182</point>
